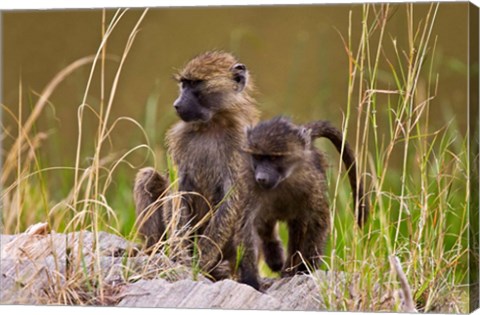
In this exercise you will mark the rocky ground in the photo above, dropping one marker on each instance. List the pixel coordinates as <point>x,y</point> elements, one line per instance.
<point>39,268</point>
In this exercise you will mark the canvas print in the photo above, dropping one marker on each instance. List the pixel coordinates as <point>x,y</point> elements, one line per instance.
<point>272,157</point>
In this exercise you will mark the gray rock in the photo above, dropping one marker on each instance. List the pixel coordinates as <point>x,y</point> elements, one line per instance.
<point>300,292</point>
<point>297,293</point>
<point>35,268</point>
<point>226,294</point>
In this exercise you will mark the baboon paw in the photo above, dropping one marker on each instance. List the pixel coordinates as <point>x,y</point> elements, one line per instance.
<point>274,256</point>
<point>251,281</point>
<point>275,265</point>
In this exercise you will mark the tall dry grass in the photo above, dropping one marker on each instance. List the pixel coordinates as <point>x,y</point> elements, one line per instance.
<point>25,195</point>
<point>419,213</point>
<point>85,207</point>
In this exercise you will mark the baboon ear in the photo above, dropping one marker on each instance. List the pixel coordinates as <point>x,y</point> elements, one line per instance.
<point>306,136</point>
<point>240,76</point>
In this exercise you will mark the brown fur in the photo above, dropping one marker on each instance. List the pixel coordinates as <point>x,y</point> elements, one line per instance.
<point>299,198</point>
<point>208,156</point>
<point>149,187</point>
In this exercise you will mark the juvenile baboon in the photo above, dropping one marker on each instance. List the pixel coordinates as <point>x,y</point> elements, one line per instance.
<point>215,106</point>
<point>286,182</point>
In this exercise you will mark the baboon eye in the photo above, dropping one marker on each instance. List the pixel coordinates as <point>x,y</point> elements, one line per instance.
<point>257,157</point>
<point>190,83</point>
<point>196,82</point>
<point>272,158</point>
<point>261,157</point>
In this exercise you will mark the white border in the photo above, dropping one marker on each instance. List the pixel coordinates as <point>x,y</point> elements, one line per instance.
<point>52,4</point>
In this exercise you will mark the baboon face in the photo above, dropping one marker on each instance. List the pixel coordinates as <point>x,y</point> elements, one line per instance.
<point>191,104</point>
<point>270,170</point>
<point>207,84</point>
<point>276,148</point>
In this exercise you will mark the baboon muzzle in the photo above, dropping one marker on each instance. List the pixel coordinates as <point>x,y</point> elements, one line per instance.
<point>264,181</point>
<point>186,110</point>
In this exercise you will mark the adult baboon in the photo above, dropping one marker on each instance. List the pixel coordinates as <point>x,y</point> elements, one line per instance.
<point>215,106</point>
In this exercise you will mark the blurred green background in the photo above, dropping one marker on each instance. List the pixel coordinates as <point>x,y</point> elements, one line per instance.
<point>295,54</point>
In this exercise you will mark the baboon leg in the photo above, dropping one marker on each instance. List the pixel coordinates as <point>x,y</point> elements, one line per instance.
<point>271,245</point>
<point>307,241</point>
<point>314,244</point>
<point>225,267</point>
<point>246,241</point>
<point>317,230</point>
<point>176,216</point>
<point>248,267</point>
<point>296,238</point>
<point>180,210</point>
<point>149,186</point>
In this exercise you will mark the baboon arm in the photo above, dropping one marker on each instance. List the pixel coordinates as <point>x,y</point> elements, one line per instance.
<point>175,216</point>
<point>219,230</point>
<point>245,239</point>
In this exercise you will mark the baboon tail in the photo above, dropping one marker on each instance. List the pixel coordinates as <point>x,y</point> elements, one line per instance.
<point>324,129</point>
